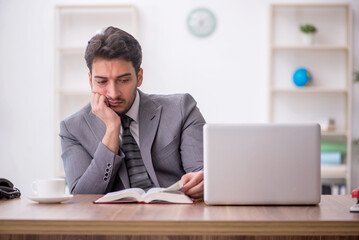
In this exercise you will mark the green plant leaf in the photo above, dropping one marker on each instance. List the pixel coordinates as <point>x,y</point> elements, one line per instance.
<point>308,28</point>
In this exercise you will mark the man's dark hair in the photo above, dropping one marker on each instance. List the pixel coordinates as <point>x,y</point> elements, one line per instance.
<point>114,43</point>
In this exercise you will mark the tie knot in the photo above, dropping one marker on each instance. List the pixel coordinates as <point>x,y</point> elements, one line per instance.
<point>126,121</point>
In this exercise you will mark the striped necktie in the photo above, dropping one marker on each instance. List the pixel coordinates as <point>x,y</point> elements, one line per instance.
<point>135,167</point>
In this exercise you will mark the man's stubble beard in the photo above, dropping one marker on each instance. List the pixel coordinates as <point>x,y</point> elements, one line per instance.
<point>129,107</point>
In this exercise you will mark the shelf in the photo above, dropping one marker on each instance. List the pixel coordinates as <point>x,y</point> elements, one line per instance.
<point>75,25</point>
<point>329,60</point>
<point>334,134</point>
<point>306,108</point>
<point>95,8</point>
<point>309,5</point>
<point>328,19</point>
<point>328,69</point>
<point>309,90</point>
<point>311,48</point>
<point>71,50</point>
<point>334,171</point>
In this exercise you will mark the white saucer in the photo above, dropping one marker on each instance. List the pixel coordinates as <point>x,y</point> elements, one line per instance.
<point>55,199</point>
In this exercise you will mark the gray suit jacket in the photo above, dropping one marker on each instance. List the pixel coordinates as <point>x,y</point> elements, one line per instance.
<point>171,144</point>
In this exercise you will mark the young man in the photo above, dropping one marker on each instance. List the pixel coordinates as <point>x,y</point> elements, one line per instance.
<point>126,138</point>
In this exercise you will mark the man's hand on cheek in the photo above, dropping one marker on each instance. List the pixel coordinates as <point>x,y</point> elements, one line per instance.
<point>193,185</point>
<point>101,109</point>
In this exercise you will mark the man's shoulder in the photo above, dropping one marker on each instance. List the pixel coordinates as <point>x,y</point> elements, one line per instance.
<point>169,99</point>
<point>85,110</point>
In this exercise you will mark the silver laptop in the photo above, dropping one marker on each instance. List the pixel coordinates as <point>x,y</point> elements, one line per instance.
<point>262,164</point>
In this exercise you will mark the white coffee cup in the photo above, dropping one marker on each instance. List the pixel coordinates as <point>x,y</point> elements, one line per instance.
<point>53,187</point>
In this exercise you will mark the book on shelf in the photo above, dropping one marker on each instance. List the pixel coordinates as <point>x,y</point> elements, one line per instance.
<point>172,194</point>
<point>340,147</point>
<point>334,189</point>
<point>331,158</point>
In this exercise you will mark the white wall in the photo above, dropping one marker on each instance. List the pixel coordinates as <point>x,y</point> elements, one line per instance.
<point>226,72</point>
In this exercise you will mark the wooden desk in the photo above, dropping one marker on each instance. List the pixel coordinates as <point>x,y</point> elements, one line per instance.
<point>79,218</point>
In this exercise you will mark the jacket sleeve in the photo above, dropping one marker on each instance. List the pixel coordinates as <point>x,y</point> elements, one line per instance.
<point>87,174</point>
<point>192,135</point>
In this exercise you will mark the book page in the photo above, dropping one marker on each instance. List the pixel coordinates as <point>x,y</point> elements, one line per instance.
<point>131,194</point>
<point>155,190</point>
<point>169,197</point>
<point>174,187</point>
<point>139,191</point>
<point>172,194</point>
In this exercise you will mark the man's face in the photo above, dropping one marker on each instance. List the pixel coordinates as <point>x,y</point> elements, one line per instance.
<point>116,80</point>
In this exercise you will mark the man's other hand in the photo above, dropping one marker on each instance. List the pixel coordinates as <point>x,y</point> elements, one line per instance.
<point>193,185</point>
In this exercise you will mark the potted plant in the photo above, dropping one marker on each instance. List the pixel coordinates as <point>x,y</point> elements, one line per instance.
<point>308,31</point>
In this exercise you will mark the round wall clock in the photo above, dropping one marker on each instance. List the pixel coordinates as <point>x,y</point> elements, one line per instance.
<point>201,22</point>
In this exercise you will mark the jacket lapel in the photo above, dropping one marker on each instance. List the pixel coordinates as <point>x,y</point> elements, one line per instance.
<point>149,118</point>
<point>97,127</point>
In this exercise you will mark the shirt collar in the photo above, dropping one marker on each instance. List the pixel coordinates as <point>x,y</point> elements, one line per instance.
<point>133,112</point>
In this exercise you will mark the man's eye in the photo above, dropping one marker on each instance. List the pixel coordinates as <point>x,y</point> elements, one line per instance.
<point>101,82</point>
<point>124,80</point>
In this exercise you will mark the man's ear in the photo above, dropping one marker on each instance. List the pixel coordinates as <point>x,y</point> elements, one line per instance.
<point>90,80</point>
<point>139,77</point>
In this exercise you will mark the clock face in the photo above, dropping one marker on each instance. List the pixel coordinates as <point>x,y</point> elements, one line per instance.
<point>201,22</point>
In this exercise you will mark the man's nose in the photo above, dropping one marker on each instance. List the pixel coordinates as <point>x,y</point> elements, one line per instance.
<point>113,91</point>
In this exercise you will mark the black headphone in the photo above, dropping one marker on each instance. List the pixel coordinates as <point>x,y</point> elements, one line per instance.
<point>7,189</point>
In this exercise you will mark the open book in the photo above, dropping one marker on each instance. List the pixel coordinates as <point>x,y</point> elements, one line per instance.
<point>172,194</point>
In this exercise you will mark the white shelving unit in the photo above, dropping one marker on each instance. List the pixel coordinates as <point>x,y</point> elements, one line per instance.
<point>329,59</point>
<point>74,26</point>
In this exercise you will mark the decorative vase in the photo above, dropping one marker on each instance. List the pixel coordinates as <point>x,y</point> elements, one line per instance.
<point>308,38</point>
